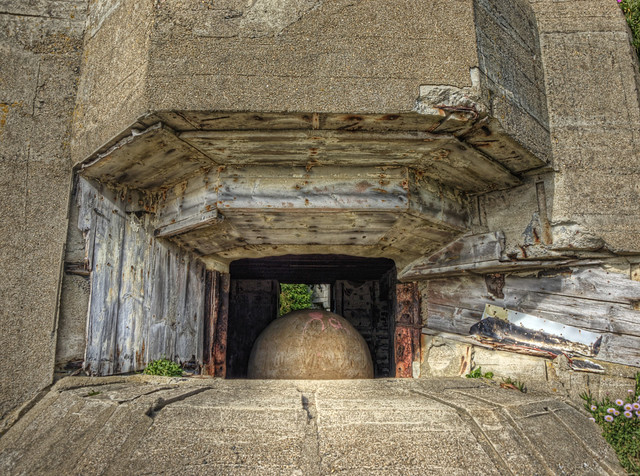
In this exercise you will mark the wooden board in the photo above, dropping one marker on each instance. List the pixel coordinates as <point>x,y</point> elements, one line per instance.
<point>591,298</point>
<point>147,298</point>
<point>441,157</point>
<point>147,160</point>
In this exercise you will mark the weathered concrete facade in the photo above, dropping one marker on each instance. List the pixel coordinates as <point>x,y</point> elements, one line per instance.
<point>41,45</point>
<point>478,144</point>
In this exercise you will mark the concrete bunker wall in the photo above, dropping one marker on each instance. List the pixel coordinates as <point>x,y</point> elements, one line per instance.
<point>140,67</point>
<point>41,50</point>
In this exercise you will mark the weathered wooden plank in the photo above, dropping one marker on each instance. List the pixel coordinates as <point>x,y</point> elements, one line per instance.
<point>198,220</point>
<point>587,314</point>
<point>187,205</point>
<point>588,282</point>
<point>212,303</point>
<point>202,120</point>
<point>437,203</point>
<point>442,156</point>
<point>452,319</point>
<point>357,188</point>
<point>455,304</point>
<point>100,354</point>
<point>135,253</point>
<point>147,160</point>
<point>222,326</point>
<point>489,137</point>
<point>516,266</point>
<point>620,349</point>
<point>469,249</point>
<point>158,305</point>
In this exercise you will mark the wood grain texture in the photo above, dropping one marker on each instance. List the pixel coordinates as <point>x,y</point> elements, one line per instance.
<point>147,297</point>
<point>591,298</point>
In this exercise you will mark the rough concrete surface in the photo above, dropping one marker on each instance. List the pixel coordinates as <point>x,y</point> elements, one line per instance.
<point>40,46</point>
<point>143,425</point>
<point>265,55</point>
<point>592,82</point>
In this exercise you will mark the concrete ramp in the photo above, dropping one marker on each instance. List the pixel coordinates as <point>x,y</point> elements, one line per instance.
<point>143,425</point>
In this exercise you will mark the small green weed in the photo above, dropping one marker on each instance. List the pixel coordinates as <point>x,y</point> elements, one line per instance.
<point>93,393</point>
<point>620,423</point>
<point>163,367</point>
<point>477,373</point>
<point>631,10</point>
<point>513,384</point>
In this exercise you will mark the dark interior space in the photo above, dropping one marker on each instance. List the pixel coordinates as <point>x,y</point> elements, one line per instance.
<point>362,291</point>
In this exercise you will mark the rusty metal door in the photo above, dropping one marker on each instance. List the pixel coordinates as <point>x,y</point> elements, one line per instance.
<point>253,304</point>
<point>368,306</point>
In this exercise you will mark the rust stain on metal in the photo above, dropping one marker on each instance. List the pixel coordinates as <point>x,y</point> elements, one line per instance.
<point>408,329</point>
<point>407,350</point>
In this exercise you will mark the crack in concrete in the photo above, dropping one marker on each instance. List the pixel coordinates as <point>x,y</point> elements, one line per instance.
<point>312,459</point>
<point>161,403</point>
<point>603,464</point>
<point>477,431</point>
<point>33,15</point>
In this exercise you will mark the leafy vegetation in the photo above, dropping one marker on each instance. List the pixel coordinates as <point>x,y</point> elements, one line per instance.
<point>513,384</point>
<point>294,297</point>
<point>164,367</point>
<point>477,373</point>
<point>631,10</point>
<point>620,423</point>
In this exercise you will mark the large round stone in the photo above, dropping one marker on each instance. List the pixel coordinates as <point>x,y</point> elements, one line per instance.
<point>310,344</point>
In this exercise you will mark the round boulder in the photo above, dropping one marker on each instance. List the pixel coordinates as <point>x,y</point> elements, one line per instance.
<point>310,344</point>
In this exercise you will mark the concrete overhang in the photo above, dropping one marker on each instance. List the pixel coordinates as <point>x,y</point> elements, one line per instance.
<point>239,185</point>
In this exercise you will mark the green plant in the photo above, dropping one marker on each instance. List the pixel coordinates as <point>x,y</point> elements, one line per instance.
<point>620,423</point>
<point>164,367</point>
<point>513,384</point>
<point>294,297</point>
<point>93,393</point>
<point>631,10</point>
<point>477,373</point>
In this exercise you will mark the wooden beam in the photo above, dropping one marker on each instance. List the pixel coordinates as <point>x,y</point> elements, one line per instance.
<point>147,160</point>
<point>222,326</point>
<point>212,304</point>
<point>282,197</point>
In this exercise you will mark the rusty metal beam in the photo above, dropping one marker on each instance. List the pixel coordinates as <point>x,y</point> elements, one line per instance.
<point>408,329</point>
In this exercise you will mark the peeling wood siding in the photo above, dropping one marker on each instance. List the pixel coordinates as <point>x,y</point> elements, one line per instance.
<point>147,296</point>
<point>590,298</point>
